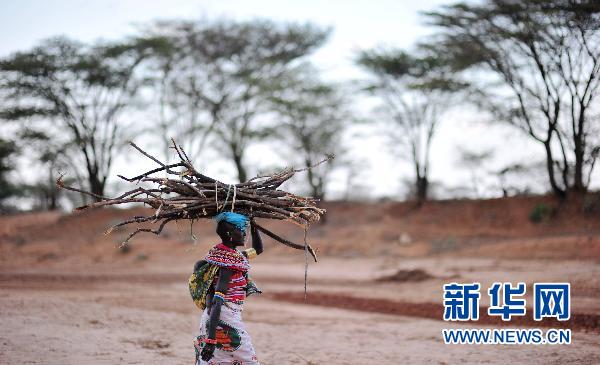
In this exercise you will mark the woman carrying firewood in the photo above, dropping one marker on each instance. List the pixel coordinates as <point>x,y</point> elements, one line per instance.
<point>220,282</point>
<point>219,286</point>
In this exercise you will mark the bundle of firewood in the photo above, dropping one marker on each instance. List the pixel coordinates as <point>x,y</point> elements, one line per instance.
<point>183,193</point>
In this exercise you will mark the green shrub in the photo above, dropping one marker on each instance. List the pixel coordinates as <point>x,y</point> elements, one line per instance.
<point>591,204</point>
<point>540,212</point>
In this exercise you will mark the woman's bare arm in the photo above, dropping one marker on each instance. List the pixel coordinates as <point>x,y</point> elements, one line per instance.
<point>257,243</point>
<point>215,311</point>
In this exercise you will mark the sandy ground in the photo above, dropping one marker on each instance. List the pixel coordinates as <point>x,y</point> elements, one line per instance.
<point>68,296</point>
<point>144,315</point>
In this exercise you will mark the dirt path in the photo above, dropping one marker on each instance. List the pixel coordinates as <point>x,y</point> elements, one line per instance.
<point>578,321</point>
<point>146,317</point>
<point>113,327</point>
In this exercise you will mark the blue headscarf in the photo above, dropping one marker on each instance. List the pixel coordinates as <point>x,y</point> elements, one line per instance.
<point>240,221</point>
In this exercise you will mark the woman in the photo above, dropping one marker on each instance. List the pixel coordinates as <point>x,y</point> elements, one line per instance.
<point>219,286</point>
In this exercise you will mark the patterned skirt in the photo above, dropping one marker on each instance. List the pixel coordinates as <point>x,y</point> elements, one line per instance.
<point>234,346</point>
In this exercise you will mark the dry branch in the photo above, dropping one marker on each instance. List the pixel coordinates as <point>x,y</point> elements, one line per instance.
<point>184,193</point>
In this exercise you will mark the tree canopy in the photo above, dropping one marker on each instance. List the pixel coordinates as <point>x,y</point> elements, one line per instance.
<point>415,91</point>
<point>219,74</point>
<point>76,94</point>
<point>545,56</point>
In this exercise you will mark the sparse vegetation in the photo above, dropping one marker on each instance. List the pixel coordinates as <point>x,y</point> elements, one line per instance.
<point>402,276</point>
<point>540,212</point>
<point>444,244</point>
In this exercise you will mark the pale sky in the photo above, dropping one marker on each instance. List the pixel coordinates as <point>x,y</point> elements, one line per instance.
<point>357,24</point>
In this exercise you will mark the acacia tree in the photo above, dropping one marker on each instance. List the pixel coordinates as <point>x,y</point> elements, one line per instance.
<point>173,113</point>
<point>7,188</point>
<point>312,117</point>
<point>76,94</point>
<point>539,62</point>
<point>49,157</point>
<point>219,72</point>
<point>473,160</point>
<point>415,92</point>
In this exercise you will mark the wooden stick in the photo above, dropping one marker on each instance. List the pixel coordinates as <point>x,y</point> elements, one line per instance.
<point>286,242</point>
<point>189,194</point>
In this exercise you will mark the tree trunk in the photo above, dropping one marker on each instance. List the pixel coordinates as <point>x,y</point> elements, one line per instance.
<point>319,193</point>
<point>422,185</point>
<point>316,187</point>
<point>241,169</point>
<point>96,186</point>
<point>579,149</point>
<point>51,197</point>
<point>550,168</point>
<point>52,203</point>
<point>578,184</point>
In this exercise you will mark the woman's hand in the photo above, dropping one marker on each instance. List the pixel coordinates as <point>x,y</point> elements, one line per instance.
<point>256,239</point>
<point>208,351</point>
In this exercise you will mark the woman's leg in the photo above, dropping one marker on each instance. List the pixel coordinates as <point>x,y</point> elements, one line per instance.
<point>234,345</point>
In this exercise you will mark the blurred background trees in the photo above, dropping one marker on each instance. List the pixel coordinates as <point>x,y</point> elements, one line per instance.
<point>415,92</point>
<point>75,95</point>
<point>312,118</point>
<point>224,87</point>
<point>544,59</point>
<point>7,187</point>
<point>216,77</point>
